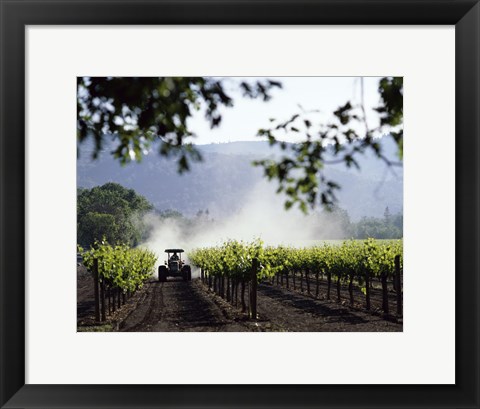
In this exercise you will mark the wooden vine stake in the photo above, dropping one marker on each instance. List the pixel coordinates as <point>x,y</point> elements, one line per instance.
<point>329,284</point>
<point>222,286</point>
<point>350,288</point>
<point>236,293</point>
<point>253,292</point>
<point>367,290</point>
<point>102,298</point>
<point>95,289</point>
<point>114,303</point>
<point>398,285</point>
<point>339,286</point>
<point>384,293</point>
<point>242,295</point>
<point>228,289</point>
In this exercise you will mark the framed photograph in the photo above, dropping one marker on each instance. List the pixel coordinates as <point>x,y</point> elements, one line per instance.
<point>234,181</point>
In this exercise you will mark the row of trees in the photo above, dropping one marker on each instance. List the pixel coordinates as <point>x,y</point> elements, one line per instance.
<point>386,226</point>
<point>115,214</point>
<point>334,224</point>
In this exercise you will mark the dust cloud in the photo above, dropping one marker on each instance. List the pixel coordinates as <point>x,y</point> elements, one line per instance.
<point>262,216</point>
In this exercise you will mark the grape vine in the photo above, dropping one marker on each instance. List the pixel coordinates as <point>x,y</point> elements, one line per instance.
<point>354,263</point>
<point>120,266</point>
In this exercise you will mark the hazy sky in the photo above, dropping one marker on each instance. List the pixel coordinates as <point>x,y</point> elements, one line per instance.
<point>241,122</point>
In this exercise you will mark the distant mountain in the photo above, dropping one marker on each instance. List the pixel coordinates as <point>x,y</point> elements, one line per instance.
<point>257,148</point>
<point>225,179</point>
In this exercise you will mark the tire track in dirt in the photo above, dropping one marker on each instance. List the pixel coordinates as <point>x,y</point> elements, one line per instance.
<point>178,306</point>
<point>152,313</point>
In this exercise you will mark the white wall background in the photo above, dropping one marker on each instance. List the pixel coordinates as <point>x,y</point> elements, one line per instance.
<point>424,352</point>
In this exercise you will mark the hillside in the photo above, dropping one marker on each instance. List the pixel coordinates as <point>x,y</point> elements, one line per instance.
<point>223,182</point>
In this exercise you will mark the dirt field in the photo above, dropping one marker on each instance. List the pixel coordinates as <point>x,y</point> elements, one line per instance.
<point>189,306</point>
<point>288,311</point>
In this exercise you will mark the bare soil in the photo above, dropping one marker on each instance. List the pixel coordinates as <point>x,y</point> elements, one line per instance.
<point>289,311</point>
<point>189,306</point>
<point>301,286</point>
<point>177,305</point>
<point>85,298</point>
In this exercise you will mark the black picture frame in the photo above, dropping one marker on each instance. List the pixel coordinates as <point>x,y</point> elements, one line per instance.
<point>16,15</point>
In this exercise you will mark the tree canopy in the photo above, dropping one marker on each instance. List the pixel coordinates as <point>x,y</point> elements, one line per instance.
<point>137,112</point>
<point>112,212</point>
<point>140,111</point>
<point>300,173</point>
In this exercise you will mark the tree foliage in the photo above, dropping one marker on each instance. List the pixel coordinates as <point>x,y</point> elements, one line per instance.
<point>387,227</point>
<point>137,112</point>
<point>111,212</point>
<point>300,172</point>
<point>378,228</point>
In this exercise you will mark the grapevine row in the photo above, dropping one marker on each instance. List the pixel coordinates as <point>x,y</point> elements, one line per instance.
<point>118,271</point>
<point>353,263</point>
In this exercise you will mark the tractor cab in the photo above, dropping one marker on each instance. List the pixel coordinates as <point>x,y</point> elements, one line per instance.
<point>174,266</point>
<point>174,261</point>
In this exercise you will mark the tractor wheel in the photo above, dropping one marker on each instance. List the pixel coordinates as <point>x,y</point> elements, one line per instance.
<point>187,273</point>
<point>162,274</point>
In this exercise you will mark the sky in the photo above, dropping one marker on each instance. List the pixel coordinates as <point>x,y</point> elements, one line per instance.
<point>325,94</point>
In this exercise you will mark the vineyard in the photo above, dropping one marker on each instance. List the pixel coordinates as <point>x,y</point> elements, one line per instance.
<point>363,267</point>
<point>352,286</point>
<point>118,272</point>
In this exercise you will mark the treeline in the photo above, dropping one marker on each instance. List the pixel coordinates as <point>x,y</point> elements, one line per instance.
<point>336,224</point>
<point>116,214</point>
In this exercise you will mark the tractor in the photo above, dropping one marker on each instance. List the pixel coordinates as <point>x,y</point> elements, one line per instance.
<point>174,266</point>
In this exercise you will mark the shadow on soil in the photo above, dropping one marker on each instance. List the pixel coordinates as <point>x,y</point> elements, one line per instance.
<point>174,305</point>
<point>335,313</point>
